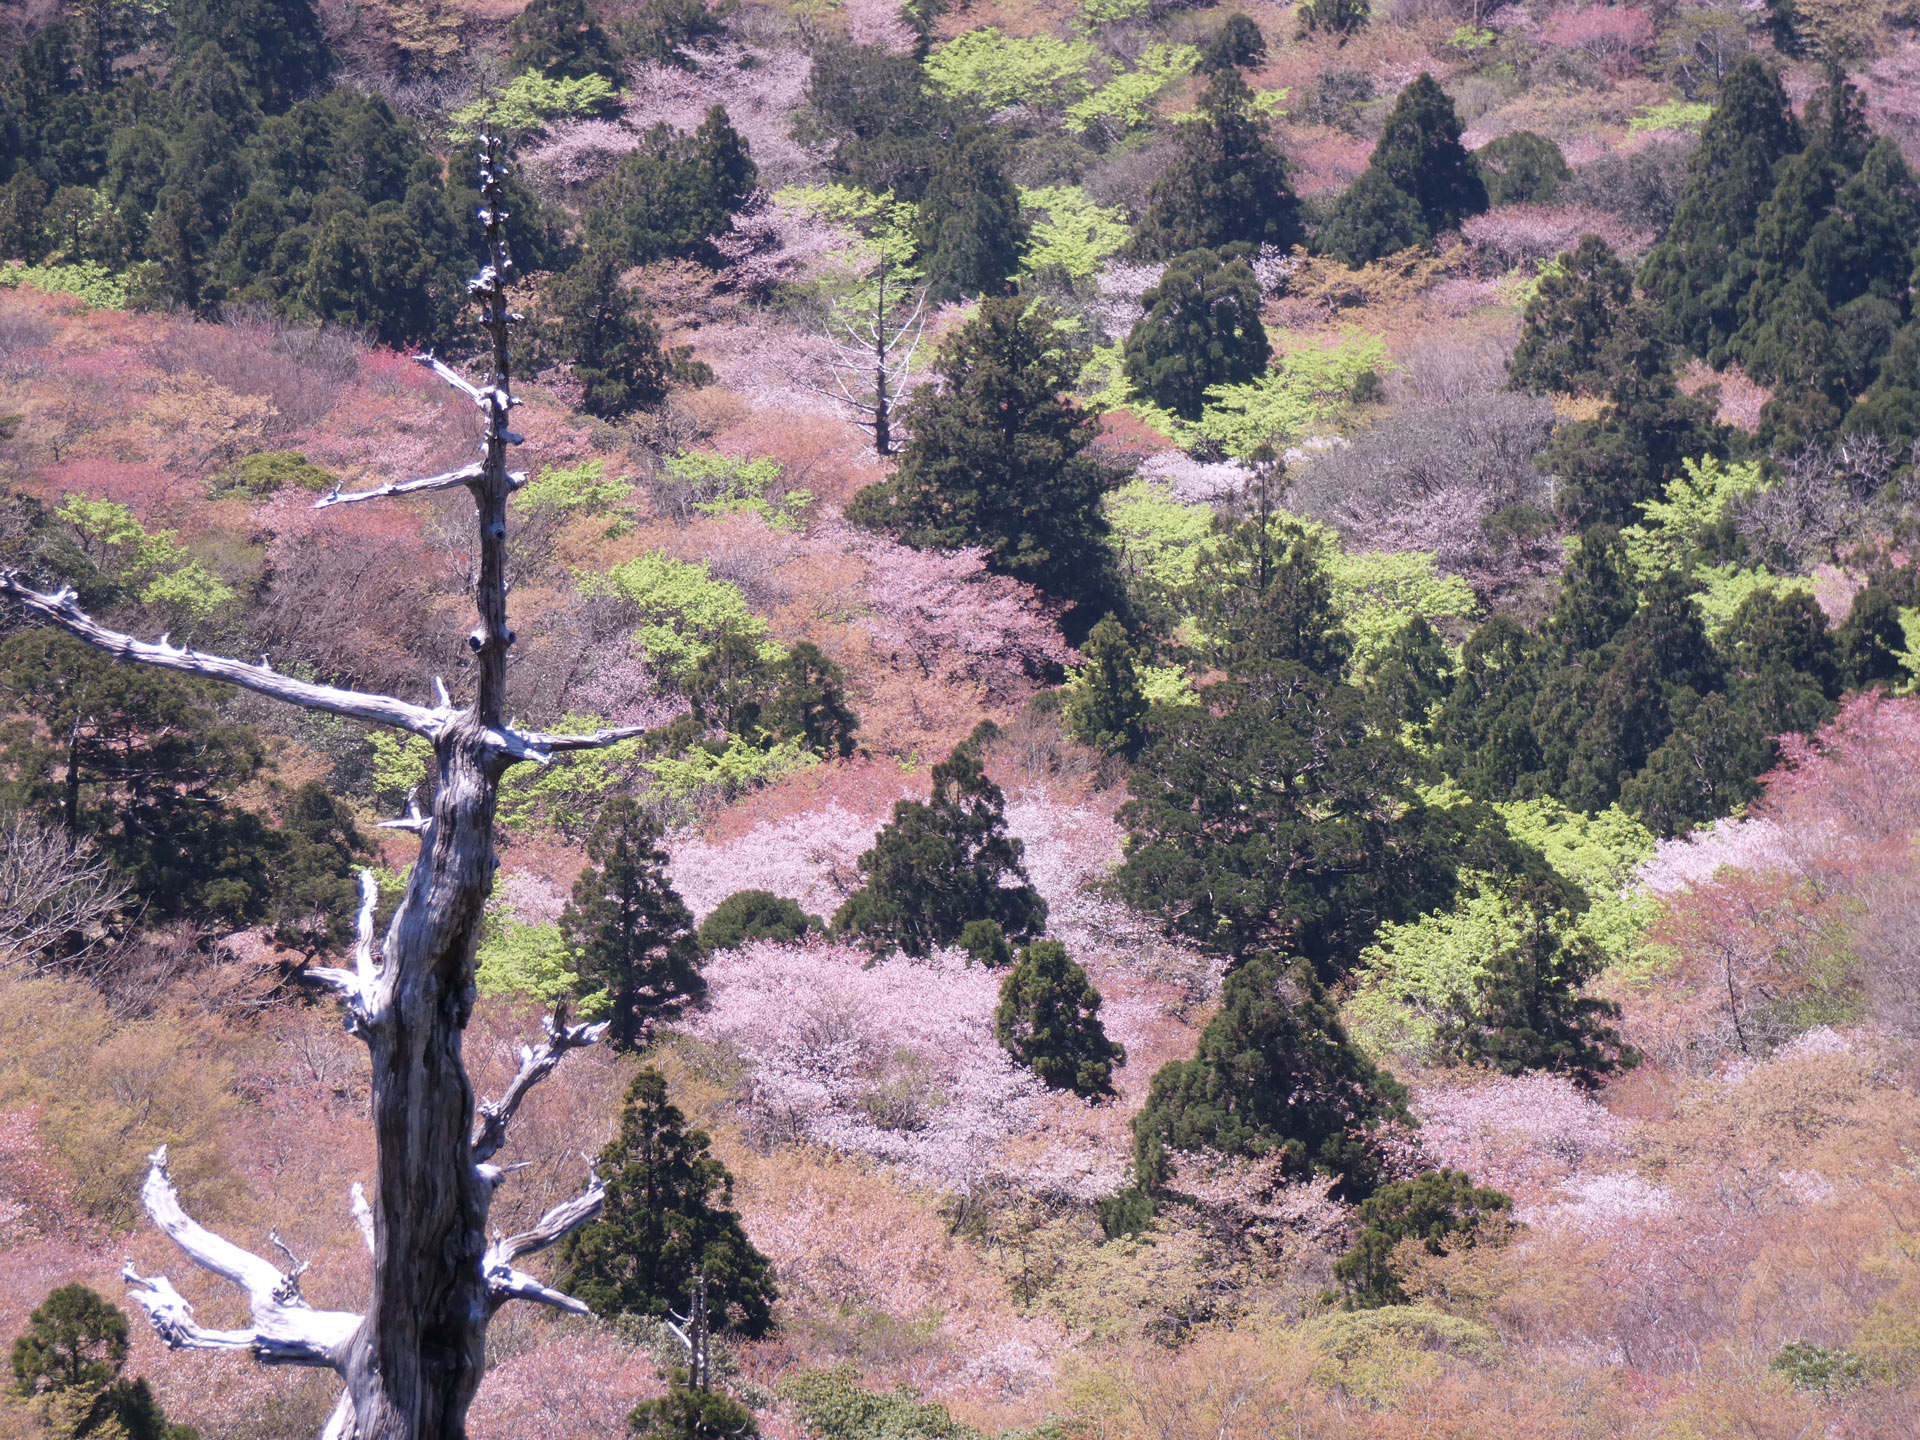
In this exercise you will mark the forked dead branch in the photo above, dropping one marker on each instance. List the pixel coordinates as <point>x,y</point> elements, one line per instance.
<point>413,1361</point>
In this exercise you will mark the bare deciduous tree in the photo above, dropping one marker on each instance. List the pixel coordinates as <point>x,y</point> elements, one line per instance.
<point>54,890</point>
<point>413,1361</point>
<point>873,344</point>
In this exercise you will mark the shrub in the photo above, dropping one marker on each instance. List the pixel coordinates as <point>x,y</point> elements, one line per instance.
<point>1522,168</point>
<point>748,915</point>
<point>986,944</point>
<point>266,471</point>
<point>1373,218</point>
<point>687,1414</point>
<point>832,1405</point>
<point>1049,1021</point>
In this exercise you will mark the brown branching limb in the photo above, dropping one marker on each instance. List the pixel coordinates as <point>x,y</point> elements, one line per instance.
<point>357,987</point>
<point>63,610</point>
<point>505,1283</point>
<point>452,480</point>
<point>536,1063</point>
<point>285,1331</point>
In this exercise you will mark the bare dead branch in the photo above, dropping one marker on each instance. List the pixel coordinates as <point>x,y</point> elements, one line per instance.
<point>358,987</point>
<point>599,739</point>
<point>52,887</point>
<point>536,1063</point>
<point>362,1213</point>
<point>61,608</point>
<point>452,480</point>
<point>413,820</point>
<point>505,1283</point>
<point>285,1331</point>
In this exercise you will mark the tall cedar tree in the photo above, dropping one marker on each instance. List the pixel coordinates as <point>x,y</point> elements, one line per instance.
<point>1568,323</point>
<point>1527,1012</point>
<point>1690,274</point>
<point>1414,675</point>
<point>884,123</point>
<point>1335,17</point>
<point>612,345</point>
<point>1049,1021</point>
<point>563,40</point>
<point>969,231</point>
<point>1227,182</point>
<point>1109,709</point>
<point>1201,328</point>
<point>668,1212</point>
<point>631,933</point>
<point>1420,152</point>
<point>999,456</point>
<point>940,864</point>
<point>1443,1209</point>
<point>1609,466</point>
<point>71,1355</point>
<point>1271,815</point>
<point>1484,729</point>
<point>1274,1074</point>
<point>318,848</point>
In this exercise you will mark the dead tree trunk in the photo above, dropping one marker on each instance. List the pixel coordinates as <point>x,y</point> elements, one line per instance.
<point>413,1361</point>
<point>872,353</point>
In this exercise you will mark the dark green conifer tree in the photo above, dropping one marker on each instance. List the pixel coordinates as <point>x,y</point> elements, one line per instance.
<point>563,39</point>
<point>685,1413</point>
<point>1484,730</point>
<point>276,44</point>
<point>1238,43</point>
<point>318,848</point>
<point>999,456</point>
<point>71,1355</point>
<point>1864,244</point>
<point>1443,1209</point>
<point>1373,218</point>
<point>609,340</point>
<point>1527,1012</point>
<point>1569,323</point>
<point>1708,764</point>
<point>1227,182</point>
<point>1049,1022</point>
<point>809,702</point>
<point>1334,17</point>
<point>1890,407</point>
<point>668,1214</point>
<point>1522,168</point>
<point>1414,675</point>
<point>1729,178</point>
<point>1274,1075</point>
<point>1109,712</point>
<point>939,864</point>
<point>632,935</point>
<point>1598,593</point>
<point>970,231</point>
<point>1871,641</point>
<point>667,197</point>
<point>1420,152</point>
<point>1201,328</point>
<point>749,915</point>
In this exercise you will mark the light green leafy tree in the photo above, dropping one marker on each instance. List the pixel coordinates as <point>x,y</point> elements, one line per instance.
<point>151,564</point>
<point>1071,234</point>
<point>684,610</point>
<point>528,104</point>
<point>997,70</point>
<point>572,489</point>
<point>1125,103</point>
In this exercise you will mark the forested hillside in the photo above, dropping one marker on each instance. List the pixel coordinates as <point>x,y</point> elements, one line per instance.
<point>1210,727</point>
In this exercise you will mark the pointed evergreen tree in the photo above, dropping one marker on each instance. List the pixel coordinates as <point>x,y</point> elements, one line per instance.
<point>631,933</point>
<point>940,864</point>
<point>1783,661</point>
<point>1598,593</point>
<point>1372,219</point>
<point>1227,182</point>
<point>610,341</point>
<point>1238,43</point>
<point>1260,596</point>
<point>1527,1011</point>
<point>1109,710</point>
<point>809,702</point>
<point>1274,1075</point>
<point>1201,328</point>
<point>1335,17</point>
<point>1890,408</point>
<point>1729,178</point>
<point>1414,675</point>
<point>1271,815</point>
<point>1709,763</point>
<point>1871,641</point>
<point>1570,320</point>
<point>1774,256</point>
<point>999,456</point>
<point>1836,120</point>
<point>1484,729</point>
<point>277,44</point>
<point>71,1355</point>
<point>563,40</point>
<point>1420,152</point>
<point>969,231</point>
<point>1864,245</point>
<point>1049,1022</point>
<point>668,1214</point>
<point>179,245</point>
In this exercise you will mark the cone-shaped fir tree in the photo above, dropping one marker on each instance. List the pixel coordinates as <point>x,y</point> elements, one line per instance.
<point>1049,1021</point>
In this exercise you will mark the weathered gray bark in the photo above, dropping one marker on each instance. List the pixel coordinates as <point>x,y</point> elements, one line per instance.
<point>872,355</point>
<point>413,1362</point>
